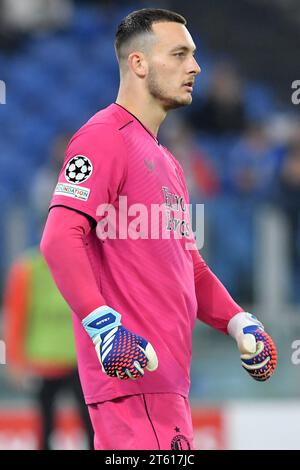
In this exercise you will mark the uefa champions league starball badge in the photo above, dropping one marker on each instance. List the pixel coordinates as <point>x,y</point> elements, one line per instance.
<point>79,169</point>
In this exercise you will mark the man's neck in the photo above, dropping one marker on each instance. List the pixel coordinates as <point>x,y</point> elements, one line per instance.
<point>146,111</point>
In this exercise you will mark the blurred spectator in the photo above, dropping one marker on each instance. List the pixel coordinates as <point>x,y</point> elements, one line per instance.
<point>39,339</point>
<point>295,136</point>
<point>252,164</point>
<point>283,128</point>
<point>46,178</point>
<point>9,41</point>
<point>201,176</point>
<point>33,15</point>
<point>222,110</point>
<point>289,200</point>
<point>249,173</point>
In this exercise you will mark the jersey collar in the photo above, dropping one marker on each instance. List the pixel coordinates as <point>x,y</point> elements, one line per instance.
<point>146,129</point>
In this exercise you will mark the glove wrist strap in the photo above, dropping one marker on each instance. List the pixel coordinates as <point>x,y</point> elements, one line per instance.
<point>101,320</point>
<point>240,322</point>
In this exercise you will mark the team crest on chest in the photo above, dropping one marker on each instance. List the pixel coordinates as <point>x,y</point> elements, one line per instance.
<point>79,169</point>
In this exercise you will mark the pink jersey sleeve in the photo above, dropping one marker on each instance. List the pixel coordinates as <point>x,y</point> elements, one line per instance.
<point>94,169</point>
<point>63,247</point>
<point>215,305</point>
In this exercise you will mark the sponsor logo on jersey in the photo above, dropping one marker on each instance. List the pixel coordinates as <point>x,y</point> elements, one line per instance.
<point>70,190</point>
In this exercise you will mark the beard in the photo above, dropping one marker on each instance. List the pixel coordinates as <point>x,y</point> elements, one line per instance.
<point>160,92</point>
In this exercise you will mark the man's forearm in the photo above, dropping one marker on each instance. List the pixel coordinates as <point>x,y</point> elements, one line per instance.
<point>122,354</point>
<point>63,247</point>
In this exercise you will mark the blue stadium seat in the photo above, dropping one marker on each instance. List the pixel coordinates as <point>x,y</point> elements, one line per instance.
<point>86,22</point>
<point>259,101</point>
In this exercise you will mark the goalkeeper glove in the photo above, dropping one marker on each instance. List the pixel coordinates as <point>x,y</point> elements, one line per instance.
<point>258,352</point>
<point>121,353</point>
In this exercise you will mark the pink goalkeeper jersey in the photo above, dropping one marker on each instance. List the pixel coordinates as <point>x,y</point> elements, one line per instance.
<point>147,276</point>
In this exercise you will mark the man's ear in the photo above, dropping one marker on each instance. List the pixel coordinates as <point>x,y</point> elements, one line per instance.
<point>138,64</point>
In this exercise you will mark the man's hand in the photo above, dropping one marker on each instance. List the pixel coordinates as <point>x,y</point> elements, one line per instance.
<point>122,353</point>
<point>258,352</point>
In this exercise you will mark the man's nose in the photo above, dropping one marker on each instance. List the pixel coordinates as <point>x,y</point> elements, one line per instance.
<point>197,67</point>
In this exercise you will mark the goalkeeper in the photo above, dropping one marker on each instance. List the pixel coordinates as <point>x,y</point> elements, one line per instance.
<point>135,297</point>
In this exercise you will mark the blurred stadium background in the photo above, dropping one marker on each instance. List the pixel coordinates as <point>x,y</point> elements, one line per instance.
<point>239,144</point>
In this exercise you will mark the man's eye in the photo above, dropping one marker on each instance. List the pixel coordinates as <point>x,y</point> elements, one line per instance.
<point>179,54</point>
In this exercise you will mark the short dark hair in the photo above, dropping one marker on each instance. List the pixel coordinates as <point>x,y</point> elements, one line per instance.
<point>140,21</point>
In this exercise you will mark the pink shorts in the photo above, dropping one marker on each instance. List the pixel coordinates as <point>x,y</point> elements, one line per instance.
<point>152,421</point>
